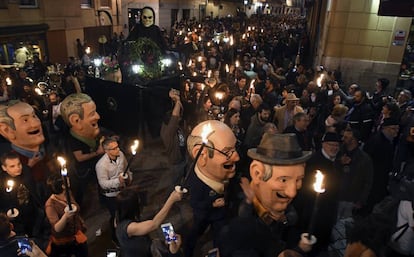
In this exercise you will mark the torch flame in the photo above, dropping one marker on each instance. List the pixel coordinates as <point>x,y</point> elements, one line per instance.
<point>10,184</point>
<point>134,147</point>
<point>61,160</point>
<point>207,131</point>
<point>219,95</point>
<point>319,80</point>
<point>63,170</point>
<point>318,185</point>
<point>252,84</point>
<point>8,81</point>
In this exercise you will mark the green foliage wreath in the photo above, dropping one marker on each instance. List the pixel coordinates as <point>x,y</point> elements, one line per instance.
<point>146,52</point>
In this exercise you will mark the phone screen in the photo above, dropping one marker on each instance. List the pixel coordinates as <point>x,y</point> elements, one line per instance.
<point>112,253</point>
<point>168,231</point>
<point>24,245</point>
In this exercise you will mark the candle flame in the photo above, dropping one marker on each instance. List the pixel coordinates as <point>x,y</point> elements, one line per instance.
<point>10,184</point>
<point>231,40</point>
<point>202,86</point>
<point>200,58</point>
<point>134,147</point>
<point>227,68</point>
<point>319,80</point>
<point>219,95</point>
<point>206,132</point>
<point>194,74</point>
<point>318,185</point>
<point>63,170</point>
<point>209,73</point>
<point>237,64</point>
<point>8,81</point>
<point>190,62</point>
<point>180,65</point>
<point>61,160</point>
<point>252,83</point>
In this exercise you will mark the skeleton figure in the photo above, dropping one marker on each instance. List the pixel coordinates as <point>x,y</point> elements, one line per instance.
<point>147,28</point>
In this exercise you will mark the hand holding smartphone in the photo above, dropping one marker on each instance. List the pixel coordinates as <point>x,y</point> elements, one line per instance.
<point>169,233</point>
<point>112,253</point>
<point>24,245</point>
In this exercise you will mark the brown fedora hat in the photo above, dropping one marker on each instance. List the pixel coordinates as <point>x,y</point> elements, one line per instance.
<point>291,97</point>
<point>279,149</point>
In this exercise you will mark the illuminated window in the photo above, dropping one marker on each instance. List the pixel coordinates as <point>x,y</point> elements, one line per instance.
<point>86,3</point>
<point>28,3</point>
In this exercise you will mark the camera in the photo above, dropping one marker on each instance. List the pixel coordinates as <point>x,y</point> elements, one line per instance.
<point>168,231</point>
<point>24,245</point>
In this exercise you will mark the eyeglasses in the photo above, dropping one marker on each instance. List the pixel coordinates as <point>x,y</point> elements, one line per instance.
<point>113,148</point>
<point>147,17</point>
<point>227,153</point>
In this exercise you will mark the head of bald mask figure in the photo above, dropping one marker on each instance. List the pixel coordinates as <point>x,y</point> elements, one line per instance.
<point>20,125</point>
<point>218,158</point>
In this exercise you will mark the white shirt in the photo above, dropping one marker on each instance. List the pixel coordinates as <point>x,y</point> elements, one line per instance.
<point>108,172</point>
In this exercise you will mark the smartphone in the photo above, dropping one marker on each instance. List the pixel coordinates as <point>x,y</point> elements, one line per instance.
<point>168,231</point>
<point>24,245</point>
<point>213,252</point>
<point>112,253</point>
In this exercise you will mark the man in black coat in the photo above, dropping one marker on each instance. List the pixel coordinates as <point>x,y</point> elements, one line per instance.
<point>326,161</point>
<point>381,148</point>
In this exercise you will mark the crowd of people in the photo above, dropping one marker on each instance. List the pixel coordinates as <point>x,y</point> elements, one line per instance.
<point>271,122</point>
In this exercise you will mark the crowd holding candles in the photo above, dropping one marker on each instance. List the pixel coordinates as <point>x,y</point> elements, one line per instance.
<point>247,74</point>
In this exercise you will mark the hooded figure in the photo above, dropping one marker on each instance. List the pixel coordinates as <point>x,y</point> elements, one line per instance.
<point>147,28</point>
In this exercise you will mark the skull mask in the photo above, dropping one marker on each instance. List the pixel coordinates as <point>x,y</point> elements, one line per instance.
<point>147,17</point>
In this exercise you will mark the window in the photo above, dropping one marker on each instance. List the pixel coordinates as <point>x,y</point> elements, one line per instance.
<point>186,14</point>
<point>86,3</point>
<point>28,3</point>
<point>106,3</point>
